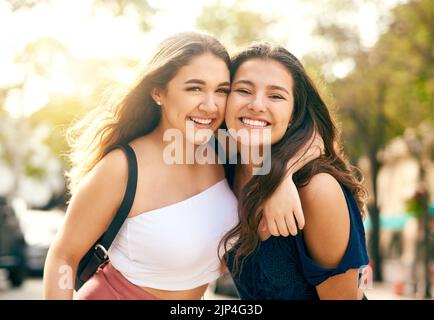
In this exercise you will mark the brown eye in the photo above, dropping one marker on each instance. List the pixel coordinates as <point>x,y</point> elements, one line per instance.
<point>194,89</point>
<point>276,96</point>
<point>224,90</point>
<point>244,91</point>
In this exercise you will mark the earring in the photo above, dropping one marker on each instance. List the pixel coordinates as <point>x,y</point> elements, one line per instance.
<point>159,103</point>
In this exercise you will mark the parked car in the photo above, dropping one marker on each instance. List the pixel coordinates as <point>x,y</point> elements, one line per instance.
<point>13,246</point>
<point>39,228</point>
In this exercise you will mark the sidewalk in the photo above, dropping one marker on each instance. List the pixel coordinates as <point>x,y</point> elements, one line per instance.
<point>32,289</point>
<point>378,292</point>
<point>384,292</point>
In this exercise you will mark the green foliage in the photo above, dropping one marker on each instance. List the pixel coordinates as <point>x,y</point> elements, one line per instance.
<point>235,25</point>
<point>416,205</point>
<point>59,115</point>
<point>33,171</point>
<point>142,8</point>
<point>392,85</point>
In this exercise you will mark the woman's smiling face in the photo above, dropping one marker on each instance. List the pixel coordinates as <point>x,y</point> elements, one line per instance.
<point>261,98</point>
<point>197,95</point>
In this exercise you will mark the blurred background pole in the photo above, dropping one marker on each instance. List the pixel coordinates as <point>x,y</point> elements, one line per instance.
<point>374,213</point>
<point>415,141</point>
<point>425,141</point>
<point>426,239</point>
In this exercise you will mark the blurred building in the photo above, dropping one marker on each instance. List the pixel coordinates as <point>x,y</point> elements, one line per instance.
<point>401,238</point>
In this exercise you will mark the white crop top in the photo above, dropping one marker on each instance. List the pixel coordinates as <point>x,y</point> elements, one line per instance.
<point>175,247</point>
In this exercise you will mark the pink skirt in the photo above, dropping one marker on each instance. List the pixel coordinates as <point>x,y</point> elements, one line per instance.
<point>109,284</point>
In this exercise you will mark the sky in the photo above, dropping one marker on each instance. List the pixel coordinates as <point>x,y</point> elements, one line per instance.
<point>99,35</point>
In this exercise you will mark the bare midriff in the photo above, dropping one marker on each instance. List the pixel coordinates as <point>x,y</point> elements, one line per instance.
<point>191,294</point>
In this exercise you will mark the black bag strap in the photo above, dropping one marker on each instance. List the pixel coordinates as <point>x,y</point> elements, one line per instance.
<point>127,202</point>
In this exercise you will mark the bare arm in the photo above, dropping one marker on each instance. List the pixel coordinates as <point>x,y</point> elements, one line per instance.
<point>89,213</point>
<point>283,208</point>
<point>324,202</point>
<point>310,151</point>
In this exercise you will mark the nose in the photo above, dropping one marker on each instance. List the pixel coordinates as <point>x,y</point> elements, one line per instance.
<point>257,104</point>
<point>209,104</point>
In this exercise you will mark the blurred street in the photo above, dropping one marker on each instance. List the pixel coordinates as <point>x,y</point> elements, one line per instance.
<point>32,290</point>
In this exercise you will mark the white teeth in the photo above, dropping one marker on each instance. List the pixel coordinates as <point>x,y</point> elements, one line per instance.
<point>201,121</point>
<point>256,123</point>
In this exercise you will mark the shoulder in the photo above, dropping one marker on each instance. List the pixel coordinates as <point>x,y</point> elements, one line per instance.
<point>320,187</point>
<point>148,152</point>
<point>113,164</point>
<point>323,193</point>
<point>327,228</point>
<point>108,177</point>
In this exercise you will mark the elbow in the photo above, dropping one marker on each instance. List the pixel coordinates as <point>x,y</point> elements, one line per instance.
<point>57,254</point>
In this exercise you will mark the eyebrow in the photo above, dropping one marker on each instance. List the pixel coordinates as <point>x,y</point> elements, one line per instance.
<point>198,81</point>
<point>250,83</point>
<point>279,88</point>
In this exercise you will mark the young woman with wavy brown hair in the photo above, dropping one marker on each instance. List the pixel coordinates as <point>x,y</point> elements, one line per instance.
<point>270,85</point>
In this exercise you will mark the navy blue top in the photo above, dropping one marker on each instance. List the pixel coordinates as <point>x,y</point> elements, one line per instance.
<point>281,269</point>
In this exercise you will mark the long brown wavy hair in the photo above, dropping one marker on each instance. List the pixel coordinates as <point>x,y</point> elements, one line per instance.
<point>136,113</point>
<point>310,116</point>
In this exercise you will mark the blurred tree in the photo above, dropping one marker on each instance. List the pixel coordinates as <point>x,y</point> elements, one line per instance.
<point>361,97</point>
<point>140,8</point>
<point>36,60</point>
<point>70,84</point>
<point>234,24</point>
<point>58,114</point>
<point>391,86</point>
<point>22,4</point>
